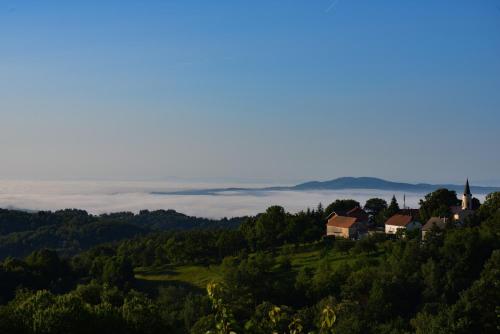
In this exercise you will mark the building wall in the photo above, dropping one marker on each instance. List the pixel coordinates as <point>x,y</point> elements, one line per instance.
<point>462,215</point>
<point>338,231</point>
<point>424,234</point>
<point>466,202</point>
<point>392,229</point>
<point>413,225</point>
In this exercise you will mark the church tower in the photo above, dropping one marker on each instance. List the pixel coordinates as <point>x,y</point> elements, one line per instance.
<point>467,197</point>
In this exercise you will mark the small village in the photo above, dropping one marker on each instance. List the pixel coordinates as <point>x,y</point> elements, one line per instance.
<point>357,223</point>
<point>249,167</point>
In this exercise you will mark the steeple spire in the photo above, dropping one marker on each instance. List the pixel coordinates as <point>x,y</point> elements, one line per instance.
<point>467,197</point>
<point>467,188</point>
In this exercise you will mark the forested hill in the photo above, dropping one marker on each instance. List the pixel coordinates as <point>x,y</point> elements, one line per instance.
<point>71,231</point>
<point>276,273</point>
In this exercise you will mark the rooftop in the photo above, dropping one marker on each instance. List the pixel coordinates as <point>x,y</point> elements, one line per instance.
<point>399,220</point>
<point>434,221</point>
<point>342,221</point>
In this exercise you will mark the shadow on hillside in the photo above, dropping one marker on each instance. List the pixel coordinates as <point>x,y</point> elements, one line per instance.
<point>162,270</point>
<point>152,287</point>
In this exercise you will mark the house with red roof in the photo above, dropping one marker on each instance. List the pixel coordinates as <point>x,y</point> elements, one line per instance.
<point>401,221</point>
<point>345,227</point>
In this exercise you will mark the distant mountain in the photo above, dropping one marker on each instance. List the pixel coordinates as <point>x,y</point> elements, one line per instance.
<point>341,183</point>
<point>380,184</point>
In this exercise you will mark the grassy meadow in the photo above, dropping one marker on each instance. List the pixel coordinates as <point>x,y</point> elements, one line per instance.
<point>307,256</point>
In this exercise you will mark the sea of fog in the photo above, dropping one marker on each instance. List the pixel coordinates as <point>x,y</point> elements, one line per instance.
<point>110,196</point>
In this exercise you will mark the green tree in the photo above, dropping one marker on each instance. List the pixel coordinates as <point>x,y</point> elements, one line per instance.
<point>341,206</point>
<point>230,243</point>
<point>270,227</point>
<point>375,205</point>
<point>390,211</point>
<point>140,314</point>
<point>43,312</point>
<point>438,204</point>
<point>225,322</point>
<point>463,254</point>
<point>490,206</point>
<point>393,207</point>
<point>476,310</point>
<point>118,271</point>
<point>365,245</point>
<point>193,308</point>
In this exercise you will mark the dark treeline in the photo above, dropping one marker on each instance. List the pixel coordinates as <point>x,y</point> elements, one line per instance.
<point>72,231</point>
<point>449,283</point>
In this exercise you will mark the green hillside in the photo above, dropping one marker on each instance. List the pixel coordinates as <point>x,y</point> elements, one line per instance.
<point>198,276</point>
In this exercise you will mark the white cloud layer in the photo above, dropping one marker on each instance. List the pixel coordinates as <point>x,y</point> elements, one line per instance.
<point>104,196</point>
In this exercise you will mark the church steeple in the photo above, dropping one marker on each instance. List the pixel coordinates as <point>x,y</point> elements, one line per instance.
<point>467,197</point>
<point>467,188</point>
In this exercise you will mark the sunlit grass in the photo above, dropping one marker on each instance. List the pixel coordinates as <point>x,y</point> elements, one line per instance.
<point>196,275</point>
<point>199,275</point>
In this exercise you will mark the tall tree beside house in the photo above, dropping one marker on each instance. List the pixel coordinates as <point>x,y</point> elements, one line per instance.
<point>375,205</point>
<point>393,207</point>
<point>387,212</point>
<point>270,226</point>
<point>341,206</point>
<point>438,203</point>
<point>320,209</point>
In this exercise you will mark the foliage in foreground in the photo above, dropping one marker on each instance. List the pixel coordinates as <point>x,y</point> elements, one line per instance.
<point>447,284</point>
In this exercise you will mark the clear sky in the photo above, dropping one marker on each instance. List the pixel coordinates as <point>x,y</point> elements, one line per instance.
<point>276,91</point>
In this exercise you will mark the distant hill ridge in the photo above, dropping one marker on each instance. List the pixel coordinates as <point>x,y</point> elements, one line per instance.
<point>380,184</point>
<point>340,183</point>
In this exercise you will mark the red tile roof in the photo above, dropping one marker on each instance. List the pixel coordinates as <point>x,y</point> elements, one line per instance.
<point>342,221</point>
<point>359,213</point>
<point>399,220</point>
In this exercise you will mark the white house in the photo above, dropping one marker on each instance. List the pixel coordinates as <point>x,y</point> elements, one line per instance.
<point>399,221</point>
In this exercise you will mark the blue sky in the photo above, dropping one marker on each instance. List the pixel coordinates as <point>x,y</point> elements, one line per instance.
<point>275,91</point>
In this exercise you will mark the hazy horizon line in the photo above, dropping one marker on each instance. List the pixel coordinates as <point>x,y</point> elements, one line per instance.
<point>246,180</point>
